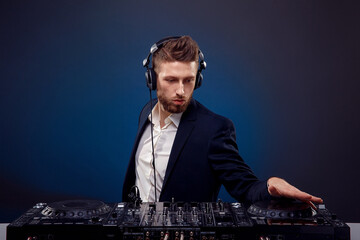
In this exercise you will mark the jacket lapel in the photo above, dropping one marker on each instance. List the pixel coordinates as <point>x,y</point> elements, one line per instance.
<point>143,121</point>
<point>186,126</point>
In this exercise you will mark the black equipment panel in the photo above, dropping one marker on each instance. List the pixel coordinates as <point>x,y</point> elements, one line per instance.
<point>89,219</point>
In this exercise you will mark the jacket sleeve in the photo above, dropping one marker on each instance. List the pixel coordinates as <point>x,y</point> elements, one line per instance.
<point>230,168</point>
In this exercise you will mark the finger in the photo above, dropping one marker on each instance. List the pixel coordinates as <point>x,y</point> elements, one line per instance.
<point>312,205</point>
<point>274,192</point>
<point>316,199</point>
<point>293,192</point>
<point>305,197</point>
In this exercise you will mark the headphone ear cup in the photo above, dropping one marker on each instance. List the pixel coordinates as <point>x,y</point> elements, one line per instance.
<point>147,77</point>
<point>150,76</point>
<point>199,79</point>
<point>153,79</point>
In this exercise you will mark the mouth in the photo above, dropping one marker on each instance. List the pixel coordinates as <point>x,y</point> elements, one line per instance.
<point>178,101</point>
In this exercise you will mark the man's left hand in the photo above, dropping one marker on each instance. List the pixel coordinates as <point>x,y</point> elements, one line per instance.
<point>278,187</point>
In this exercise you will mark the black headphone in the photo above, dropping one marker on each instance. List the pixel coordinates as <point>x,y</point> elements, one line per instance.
<point>150,74</point>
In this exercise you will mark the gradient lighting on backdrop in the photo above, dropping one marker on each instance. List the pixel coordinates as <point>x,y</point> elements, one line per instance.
<point>72,86</point>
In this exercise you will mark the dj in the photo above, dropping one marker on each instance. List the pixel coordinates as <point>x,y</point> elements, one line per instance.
<point>195,150</point>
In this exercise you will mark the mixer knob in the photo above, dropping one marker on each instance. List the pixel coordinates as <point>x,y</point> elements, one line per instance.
<point>32,238</point>
<point>221,205</point>
<point>151,211</point>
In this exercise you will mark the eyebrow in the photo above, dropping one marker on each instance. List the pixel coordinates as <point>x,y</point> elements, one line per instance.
<point>177,77</point>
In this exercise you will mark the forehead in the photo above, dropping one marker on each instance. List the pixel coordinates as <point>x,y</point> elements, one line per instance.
<point>177,68</point>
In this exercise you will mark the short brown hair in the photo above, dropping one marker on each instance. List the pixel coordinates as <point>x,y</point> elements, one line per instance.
<point>183,49</point>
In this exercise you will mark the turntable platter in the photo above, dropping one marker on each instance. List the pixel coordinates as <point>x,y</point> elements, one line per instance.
<point>76,209</point>
<point>281,209</point>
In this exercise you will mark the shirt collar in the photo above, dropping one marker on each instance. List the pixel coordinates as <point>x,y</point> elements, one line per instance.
<point>173,117</point>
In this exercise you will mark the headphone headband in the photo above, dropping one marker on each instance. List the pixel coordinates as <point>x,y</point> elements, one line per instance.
<point>157,46</point>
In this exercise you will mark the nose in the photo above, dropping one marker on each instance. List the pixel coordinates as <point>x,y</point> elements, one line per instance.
<point>180,89</point>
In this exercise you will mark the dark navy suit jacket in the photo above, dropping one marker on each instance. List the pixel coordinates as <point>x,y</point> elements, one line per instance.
<point>204,156</point>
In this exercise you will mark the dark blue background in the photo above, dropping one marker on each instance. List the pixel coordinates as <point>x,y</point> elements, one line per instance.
<point>72,85</point>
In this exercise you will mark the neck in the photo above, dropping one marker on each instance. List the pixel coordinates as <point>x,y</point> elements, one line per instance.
<point>163,115</point>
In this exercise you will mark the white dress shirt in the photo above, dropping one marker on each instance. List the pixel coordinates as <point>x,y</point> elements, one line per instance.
<point>163,141</point>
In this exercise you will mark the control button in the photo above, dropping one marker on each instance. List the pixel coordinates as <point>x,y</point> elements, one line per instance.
<point>321,206</point>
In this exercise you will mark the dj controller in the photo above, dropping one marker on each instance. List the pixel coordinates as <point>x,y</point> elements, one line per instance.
<point>96,220</point>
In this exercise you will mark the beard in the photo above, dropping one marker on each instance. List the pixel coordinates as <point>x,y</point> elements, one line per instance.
<point>170,107</point>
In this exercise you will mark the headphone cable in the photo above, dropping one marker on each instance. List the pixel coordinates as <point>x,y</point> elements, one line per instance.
<point>152,142</point>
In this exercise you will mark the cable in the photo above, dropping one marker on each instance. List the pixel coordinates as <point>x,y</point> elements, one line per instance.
<point>134,195</point>
<point>152,142</point>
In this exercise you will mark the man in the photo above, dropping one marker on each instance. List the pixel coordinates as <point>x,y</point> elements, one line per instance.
<point>195,149</point>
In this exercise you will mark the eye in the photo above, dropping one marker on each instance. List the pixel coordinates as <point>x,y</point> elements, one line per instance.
<point>170,80</point>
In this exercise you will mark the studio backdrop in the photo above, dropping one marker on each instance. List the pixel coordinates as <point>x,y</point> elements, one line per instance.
<point>72,85</point>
